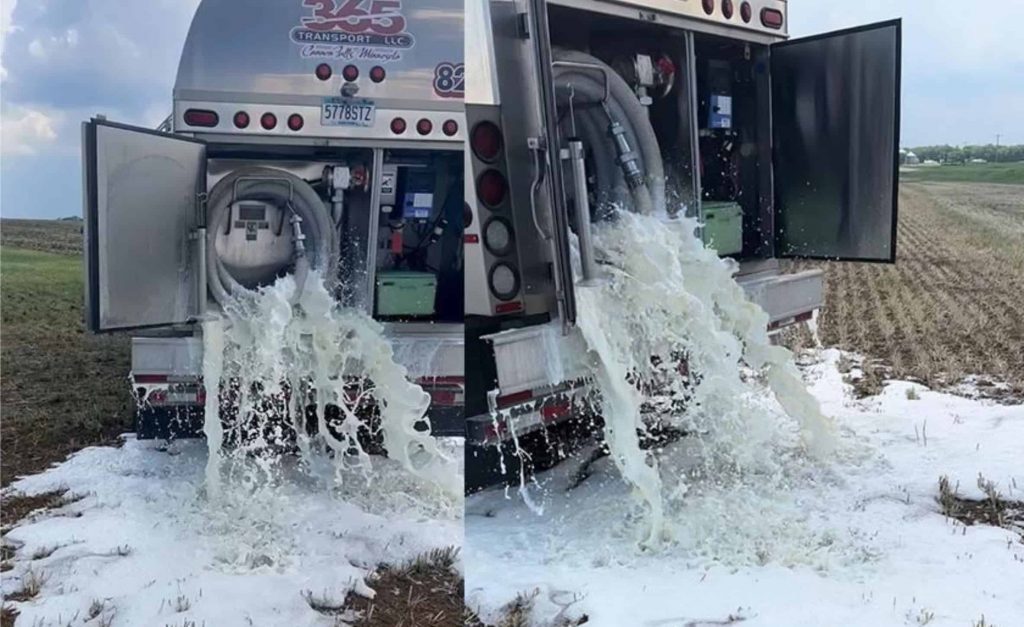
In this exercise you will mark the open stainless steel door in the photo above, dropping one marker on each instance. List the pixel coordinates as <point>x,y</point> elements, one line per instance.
<point>143,195</point>
<point>835,130</point>
<point>561,253</point>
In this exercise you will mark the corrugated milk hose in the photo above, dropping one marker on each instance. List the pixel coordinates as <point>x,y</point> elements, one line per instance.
<point>316,246</point>
<point>593,125</point>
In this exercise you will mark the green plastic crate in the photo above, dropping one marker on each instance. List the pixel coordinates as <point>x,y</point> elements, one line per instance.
<point>404,293</point>
<point>723,227</point>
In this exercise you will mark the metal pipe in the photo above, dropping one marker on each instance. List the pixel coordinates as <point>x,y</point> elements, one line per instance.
<point>374,228</point>
<point>588,266</point>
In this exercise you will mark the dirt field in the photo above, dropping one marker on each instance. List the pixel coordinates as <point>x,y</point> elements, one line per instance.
<point>49,236</point>
<point>62,388</point>
<point>953,305</point>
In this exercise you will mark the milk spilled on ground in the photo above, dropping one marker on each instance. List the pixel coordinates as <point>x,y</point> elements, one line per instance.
<point>274,356</point>
<point>666,296</point>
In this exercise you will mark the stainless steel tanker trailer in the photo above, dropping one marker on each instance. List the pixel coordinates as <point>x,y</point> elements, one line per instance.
<point>330,131</point>
<point>782,148</point>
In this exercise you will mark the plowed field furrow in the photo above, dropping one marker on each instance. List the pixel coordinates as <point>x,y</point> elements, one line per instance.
<point>953,306</point>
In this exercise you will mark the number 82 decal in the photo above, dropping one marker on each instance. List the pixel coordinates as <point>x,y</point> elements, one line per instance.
<point>449,79</point>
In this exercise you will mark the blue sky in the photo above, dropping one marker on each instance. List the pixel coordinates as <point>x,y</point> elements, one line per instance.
<point>65,60</point>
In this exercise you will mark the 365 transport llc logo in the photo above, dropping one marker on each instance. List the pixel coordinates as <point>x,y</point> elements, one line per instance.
<point>353,29</point>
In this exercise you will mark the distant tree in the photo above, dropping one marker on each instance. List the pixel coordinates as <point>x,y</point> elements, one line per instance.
<point>961,154</point>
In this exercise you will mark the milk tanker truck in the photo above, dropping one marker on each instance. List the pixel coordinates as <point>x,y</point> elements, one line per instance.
<point>782,148</point>
<point>305,134</point>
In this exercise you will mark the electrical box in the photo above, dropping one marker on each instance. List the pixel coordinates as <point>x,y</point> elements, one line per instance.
<point>723,227</point>
<point>405,293</point>
<point>719,95</point>
<point>417,193</point>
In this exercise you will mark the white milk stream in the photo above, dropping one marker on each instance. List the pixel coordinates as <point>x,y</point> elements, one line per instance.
<point>275,359</point>
<point>666,295</point>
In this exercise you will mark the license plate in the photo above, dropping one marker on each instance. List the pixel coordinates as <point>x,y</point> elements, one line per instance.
<point>347,112</point>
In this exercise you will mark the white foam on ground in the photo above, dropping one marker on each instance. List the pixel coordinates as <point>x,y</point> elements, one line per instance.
<point>244,559</point>
<point>241,534</point>
<point>859,542</point>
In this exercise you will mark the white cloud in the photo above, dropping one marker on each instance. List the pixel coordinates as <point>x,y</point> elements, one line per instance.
<point>27,131</point>
<point>6,10</point>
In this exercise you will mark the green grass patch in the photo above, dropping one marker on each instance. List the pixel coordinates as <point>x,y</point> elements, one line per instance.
<point>1012,173</point>
<point>63,388</point>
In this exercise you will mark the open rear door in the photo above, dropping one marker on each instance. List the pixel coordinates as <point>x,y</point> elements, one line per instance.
<point>537,17</point>
<point>142,204</point>
<point>835,130</point>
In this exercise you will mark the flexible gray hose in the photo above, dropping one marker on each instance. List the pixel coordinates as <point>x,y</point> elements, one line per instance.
<point>270,185</point>
<point>592,124</point>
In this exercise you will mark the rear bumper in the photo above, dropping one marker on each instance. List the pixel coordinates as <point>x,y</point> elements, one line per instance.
<point>787,298</point>
<point>167,374</point>
<point>542,374</point>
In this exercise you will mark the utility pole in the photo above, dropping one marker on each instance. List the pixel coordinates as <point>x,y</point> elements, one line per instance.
<point>997,147</point>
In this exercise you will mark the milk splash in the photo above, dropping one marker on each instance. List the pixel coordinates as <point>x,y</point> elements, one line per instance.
<point>275,355</point>
<point>677,344</point>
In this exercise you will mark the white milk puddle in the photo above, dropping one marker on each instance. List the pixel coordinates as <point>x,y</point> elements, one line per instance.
<point>667,297</point>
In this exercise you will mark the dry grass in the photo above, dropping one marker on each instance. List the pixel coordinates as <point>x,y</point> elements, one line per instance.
<point>426,592</point>
<point>953,305</point>
<point>16,506</point>
<point>31,584</point>
<point>995,509</point>
<point>51,236</point>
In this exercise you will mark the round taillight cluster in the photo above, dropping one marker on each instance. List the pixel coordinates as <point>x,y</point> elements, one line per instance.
<point>450,127</point>
<point>424,126</point>
<point>295,122</point>
<point>504,280</point>
<point>398,126</point>
<point>486,141</point>
<point>268,121</point>
<point>377,74</point>
<point>241,119</point>
<point>323,71</point>
<point>727,9</point>
<point>709,6</point>
<point>350,73</point>
<point>745,11</point>
<point>491,188</point>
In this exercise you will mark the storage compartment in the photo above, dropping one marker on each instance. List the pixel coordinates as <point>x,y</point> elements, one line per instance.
<point>723,227</point>
<point>734,154</point>
<point>404,293</point>
<point>419,237</point>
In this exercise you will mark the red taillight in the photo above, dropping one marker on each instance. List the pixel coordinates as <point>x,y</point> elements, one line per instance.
<point>424,126</point>
<point>727,9</point>
<point>398,126</point>
<point>295,122</point>
<point>323,71</point>
<point>201,117</point>
<point>157,397</point>
<point>268,121</point>
<point>350,73</point>
<point>491,188</point>
<point>504,308</point>
<point>241,119</point>
<point>486,141</point>
<point>709,6</point>
<point>772,18</point>
<point>450,127</point>
<point>377,74</point>
<point>745,11</point>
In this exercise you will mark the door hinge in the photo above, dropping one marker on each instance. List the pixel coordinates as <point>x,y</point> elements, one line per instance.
<point>201,199</point>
